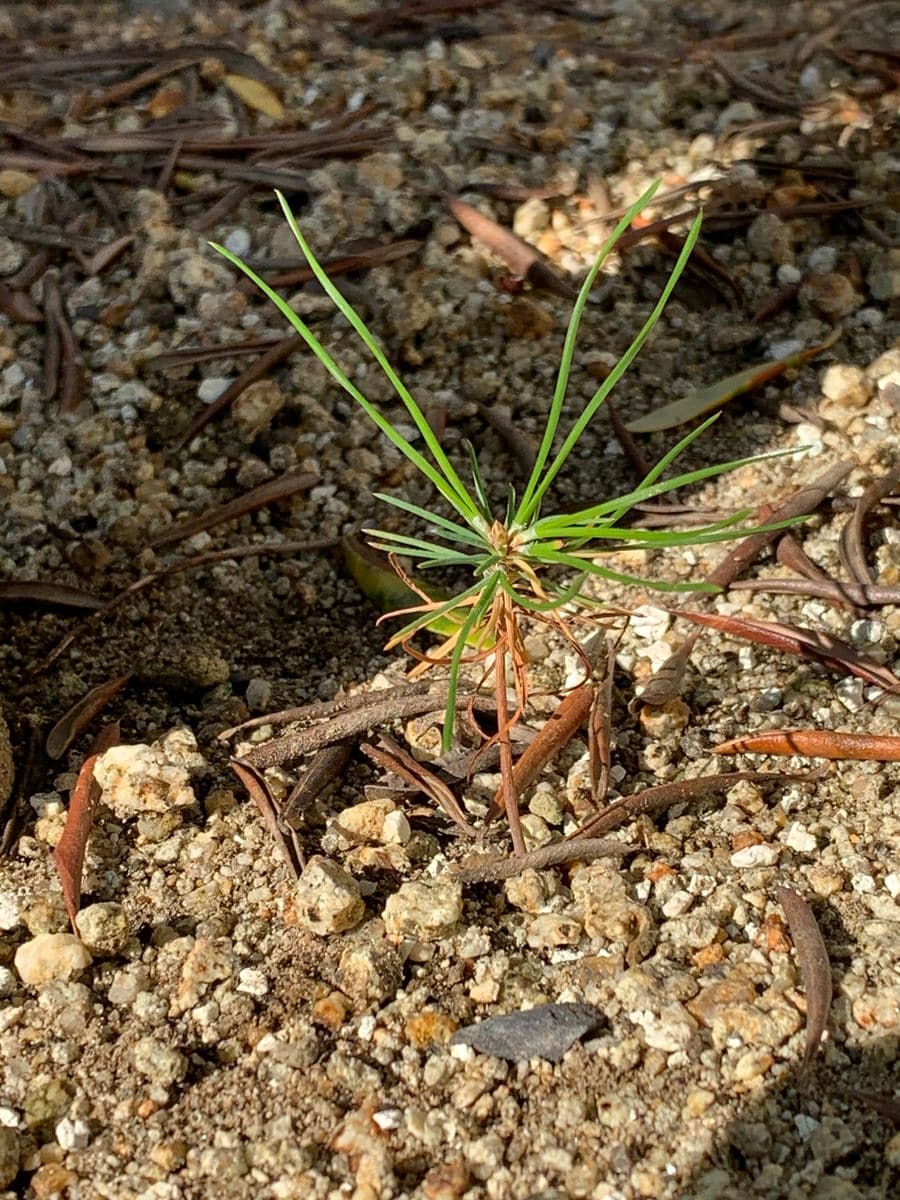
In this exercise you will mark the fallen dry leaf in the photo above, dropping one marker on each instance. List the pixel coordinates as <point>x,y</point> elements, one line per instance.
<point>255,94</point>
<point>816,743</point>
<point>68,856</point>
<point>814,966</point>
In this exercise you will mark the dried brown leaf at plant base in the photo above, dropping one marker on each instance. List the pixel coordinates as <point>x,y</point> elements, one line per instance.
<point>68,854</point>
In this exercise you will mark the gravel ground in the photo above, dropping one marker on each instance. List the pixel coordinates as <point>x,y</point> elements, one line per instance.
<point>220,1029</point>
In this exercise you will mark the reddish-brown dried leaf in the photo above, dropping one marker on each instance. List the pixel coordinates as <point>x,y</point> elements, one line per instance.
<point>814,966</point>
<point>559,729</point>
<point>852,547</point>
<point>68,856</point>
<point>816,743</point>
<point>808,643</point>
<point>80,715</point>
<point>521,258</point>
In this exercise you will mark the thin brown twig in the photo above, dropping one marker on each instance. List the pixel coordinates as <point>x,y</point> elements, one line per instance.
<point>665,683</point>
<point>294,745</point>
<point>271,358</point>
<point>555,855</point>
<point>852,549</point>
<point>665,795</point>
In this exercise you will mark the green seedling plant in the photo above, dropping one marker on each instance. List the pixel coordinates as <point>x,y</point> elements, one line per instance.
<point>525,563</point>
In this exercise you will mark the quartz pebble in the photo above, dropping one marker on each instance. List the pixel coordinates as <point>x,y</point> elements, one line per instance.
<point>328,899</point>
<point>103,928</point>
<point>846,385</point>
<point>73,1134</point>
<point>427,910</point>
<point>369,969</point>
<point>142,779</point>
<point>159,1063</point>
<point>365,822</point>
<point>50,957</point>
<point>884,275</point>
<point>759,855</point>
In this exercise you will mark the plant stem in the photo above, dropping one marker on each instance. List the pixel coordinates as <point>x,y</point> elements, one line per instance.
<point>508,784</point>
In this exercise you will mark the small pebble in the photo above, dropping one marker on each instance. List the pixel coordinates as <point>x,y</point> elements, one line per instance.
<point>212,388</point>
<point>140,779</point>
<point>252,982</point>
<point>328,900</point>
<point>755,856</point>
<point>103,928</point>
<point>72,1135</point>
<point>425,909</point>
<point>798,839</point>
<point>258,695</point>
<point>832,296</point>
<point>884,275</point>
<point>846,385</point>
<point>10,1155</point>
<point>238,242</point>
<point>769,239</point>
<point>51,957</point>
<point>161,1064</point>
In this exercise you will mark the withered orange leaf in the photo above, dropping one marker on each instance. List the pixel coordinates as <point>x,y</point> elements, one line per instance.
<point>816,743</point>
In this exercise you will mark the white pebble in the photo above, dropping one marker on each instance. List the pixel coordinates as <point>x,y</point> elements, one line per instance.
<point>822,259</point>
<point>798,839</point>
<point>252,982</point>
<point>9,910</point>
<point>759,855</point>
<point>677,904</point>
<point>892,883</point>
<point>51,956</point>
<point>72,1135</point>
<point>238,242</point>
<point>211,389</point>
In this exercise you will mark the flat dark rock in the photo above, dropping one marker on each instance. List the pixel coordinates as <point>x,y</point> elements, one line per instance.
<point>543,1032</point>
